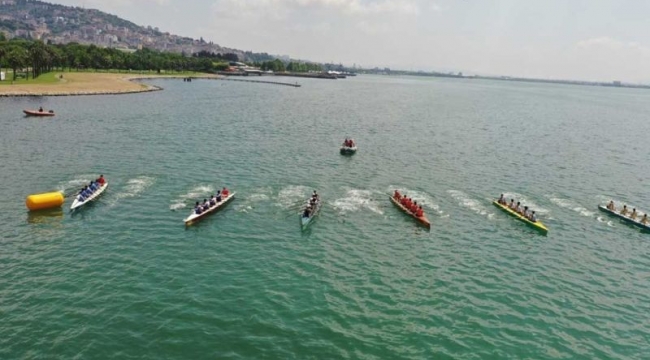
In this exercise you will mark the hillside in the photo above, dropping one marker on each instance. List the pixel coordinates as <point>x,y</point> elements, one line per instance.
<point>65,24</point>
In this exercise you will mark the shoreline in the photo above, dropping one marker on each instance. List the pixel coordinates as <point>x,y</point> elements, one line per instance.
<point>87,84</point>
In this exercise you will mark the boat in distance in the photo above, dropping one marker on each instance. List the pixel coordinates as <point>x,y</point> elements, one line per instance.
<point>194,217</point>
<point>38,113</point>
<point>422,220</point>
<point>348,150</point>
<point>624,218</point>
<point>535,225</point>
<point>305,221</point>
<point>78,203</point>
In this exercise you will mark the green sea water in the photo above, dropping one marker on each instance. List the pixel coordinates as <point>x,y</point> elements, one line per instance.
<point>125,279</point>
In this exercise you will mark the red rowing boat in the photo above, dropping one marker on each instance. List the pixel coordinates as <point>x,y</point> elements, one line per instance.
<point>421,219</point>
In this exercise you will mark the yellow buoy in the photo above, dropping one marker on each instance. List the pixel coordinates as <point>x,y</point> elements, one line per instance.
<point>44,201</point>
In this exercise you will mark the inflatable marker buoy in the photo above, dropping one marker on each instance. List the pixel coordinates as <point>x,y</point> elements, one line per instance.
<point>44,201</point>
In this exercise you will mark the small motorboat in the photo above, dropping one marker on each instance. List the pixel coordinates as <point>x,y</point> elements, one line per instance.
<point>39,112</point>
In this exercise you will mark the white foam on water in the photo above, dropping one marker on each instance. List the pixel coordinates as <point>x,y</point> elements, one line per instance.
<point>357,200</point>
<point>526,202</point>
<point>465,200</point>
<point>572,205</point>
<point>292,195</point>
<point>197,193</point>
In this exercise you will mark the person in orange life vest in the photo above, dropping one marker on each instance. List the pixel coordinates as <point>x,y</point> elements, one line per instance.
<point>419,212</point>
<point>414,207</point>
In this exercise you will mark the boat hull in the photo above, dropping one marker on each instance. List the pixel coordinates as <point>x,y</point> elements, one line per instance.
<point>535,225</point>
<point>194,218</point>
<point>421,220</point>
<point>77,204</point>
<point>348,150</point>
<point>38,113</point>
<point>304,222</point>
<point>624,218</point>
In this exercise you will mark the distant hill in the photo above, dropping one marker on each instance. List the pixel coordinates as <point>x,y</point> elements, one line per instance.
<point>64,24</point>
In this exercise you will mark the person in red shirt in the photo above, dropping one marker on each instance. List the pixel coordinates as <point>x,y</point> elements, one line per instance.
<point>419,212</point>
<point>101,180</point>
<point>225,192</point>
<point>397,196</point>
<point>414,207</point>
<point>403,200</point>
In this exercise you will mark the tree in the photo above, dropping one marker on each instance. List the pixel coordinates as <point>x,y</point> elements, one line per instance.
<point>17,58</point>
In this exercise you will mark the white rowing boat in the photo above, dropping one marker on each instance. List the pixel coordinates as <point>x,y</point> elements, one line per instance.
<point>194,217</point>
<point>306,220</point>
<point>78,203</point>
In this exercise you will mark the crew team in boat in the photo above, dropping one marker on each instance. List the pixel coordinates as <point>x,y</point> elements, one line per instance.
<point>88,190</point>
<point>348,142</point>
<point>200,208</point>
<point>633,215</point>
<point>516,207</point>
<point>409,204</point>
<point>311,205</point>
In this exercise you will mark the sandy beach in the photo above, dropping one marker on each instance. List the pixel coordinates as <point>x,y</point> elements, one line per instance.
<point>83,83</point>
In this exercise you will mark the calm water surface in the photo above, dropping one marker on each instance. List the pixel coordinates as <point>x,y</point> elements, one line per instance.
<point>124,278</point>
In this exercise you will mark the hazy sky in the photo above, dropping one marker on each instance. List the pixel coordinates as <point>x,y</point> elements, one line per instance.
<point>572,39</point>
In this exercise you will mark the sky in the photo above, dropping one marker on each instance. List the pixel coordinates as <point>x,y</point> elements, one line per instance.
<point>599,40</point>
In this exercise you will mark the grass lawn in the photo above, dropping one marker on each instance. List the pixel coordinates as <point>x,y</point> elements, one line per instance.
<point>47,78</point>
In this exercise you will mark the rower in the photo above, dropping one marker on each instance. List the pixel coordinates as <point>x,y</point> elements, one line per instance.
<point>306,212</point>
<point>624,211</point>
<point>533,217</point>
<point>525,213</point>
<point>213,202</point>
<point>611,206</point>
<point>101,180</point>
<point>314,195</point>
<point>218,195</point>
<point>403,199</point>
<point>351,142</point>
<point>419,213</point>
<point>644,219</point>
<point>397,196</point>
<point>409,202</point>
<point>40,109</point>
<point>633,214</point>
<point>414,207</point>
<point>502,200</point>
<point>197,208</point>
<point>512,204</point>
<point>225,192</point>
<point>517,208</point>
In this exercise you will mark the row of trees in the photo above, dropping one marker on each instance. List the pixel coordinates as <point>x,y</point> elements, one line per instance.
<point>279,66</point>
<point>38,58</point>
<point>35,57</point>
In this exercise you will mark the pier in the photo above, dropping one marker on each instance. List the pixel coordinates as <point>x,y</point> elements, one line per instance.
<point>260,81</point>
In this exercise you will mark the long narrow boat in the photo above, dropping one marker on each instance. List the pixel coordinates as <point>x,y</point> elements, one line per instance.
<point>537,225</point>
<point>78,203</point>
<point>422,219</point>
<point>38,113</point>
<point>194,217</point>
<point>348,150</point>
<point>624,218</point>
<point>305,221</point>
